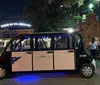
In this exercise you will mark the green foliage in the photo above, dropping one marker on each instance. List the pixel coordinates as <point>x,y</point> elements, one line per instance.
<point>46,16</point>
<point>68,3</point>
<point>36,11</point>
<point>77,18</point>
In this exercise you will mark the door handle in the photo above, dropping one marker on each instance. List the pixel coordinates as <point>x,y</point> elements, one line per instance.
<point>29,52</point>
<point>49,51</point>
<point>70,51</point>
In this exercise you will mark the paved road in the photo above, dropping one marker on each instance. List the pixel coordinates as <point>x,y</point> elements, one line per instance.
<point>59,78</point>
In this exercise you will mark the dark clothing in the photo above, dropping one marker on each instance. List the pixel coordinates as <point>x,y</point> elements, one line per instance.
<point>93,53</point>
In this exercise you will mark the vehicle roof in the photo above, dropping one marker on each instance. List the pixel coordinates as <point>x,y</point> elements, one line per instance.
<point>49,33</point>
<point>43,33</point>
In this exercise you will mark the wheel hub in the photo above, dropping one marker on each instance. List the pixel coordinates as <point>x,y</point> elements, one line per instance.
<point>87,71</point>
<point>2,72</point>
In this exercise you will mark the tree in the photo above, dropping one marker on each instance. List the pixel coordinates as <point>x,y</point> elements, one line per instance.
<point>47,16</point>
<point>36,12</point>
<point>68,3</point>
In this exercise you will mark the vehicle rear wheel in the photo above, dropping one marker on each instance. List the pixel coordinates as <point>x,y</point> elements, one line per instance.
<point>87,70</point>
<point>2,72</point>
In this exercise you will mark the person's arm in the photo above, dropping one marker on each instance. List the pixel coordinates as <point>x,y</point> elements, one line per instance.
<point>89,44</point>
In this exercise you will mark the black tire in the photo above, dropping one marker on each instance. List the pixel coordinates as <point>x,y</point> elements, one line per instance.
<point>87,70</point>
<point>3,72</point>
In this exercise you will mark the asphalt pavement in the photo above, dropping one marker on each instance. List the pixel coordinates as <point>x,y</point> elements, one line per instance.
<point>59,78</point>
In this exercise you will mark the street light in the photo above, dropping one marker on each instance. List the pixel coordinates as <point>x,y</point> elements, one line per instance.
<point>69,30</point>
<point>90,5</point>
<point>61,5</point>
<point>98,0</point>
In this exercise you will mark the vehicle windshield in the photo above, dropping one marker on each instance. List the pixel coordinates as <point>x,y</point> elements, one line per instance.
<point>79,45</point>
<point>77,41</point>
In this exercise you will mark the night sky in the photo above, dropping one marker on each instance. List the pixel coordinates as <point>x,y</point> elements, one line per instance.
<point>10,8</point>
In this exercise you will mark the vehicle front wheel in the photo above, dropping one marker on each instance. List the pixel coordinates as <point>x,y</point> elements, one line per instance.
<point>2,72</point>
<point>87,70</point>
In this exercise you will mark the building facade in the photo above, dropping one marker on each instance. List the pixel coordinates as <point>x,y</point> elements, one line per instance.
<point>89,28</point>
<point>14,26</point>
